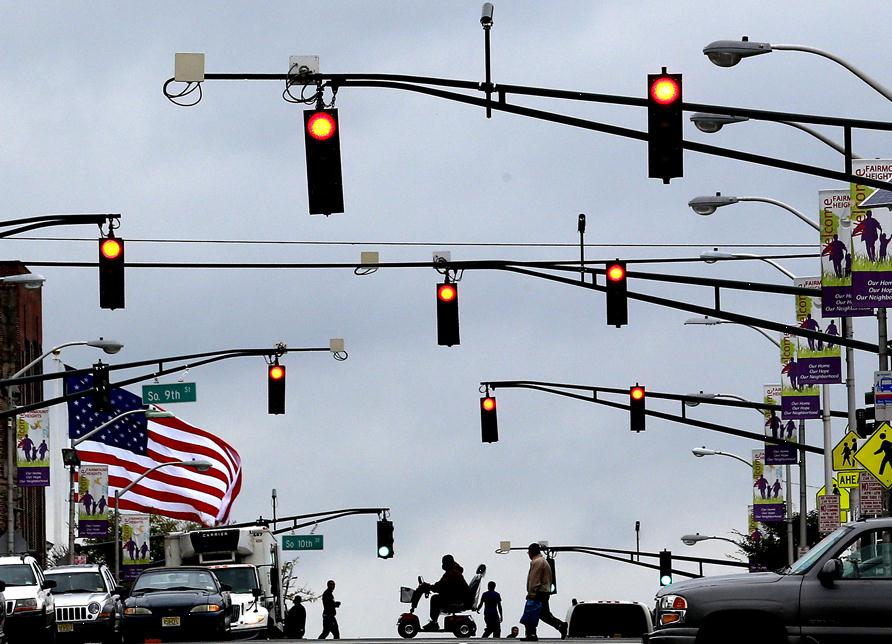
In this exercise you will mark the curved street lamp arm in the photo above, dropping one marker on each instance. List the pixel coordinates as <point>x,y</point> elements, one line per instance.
<point>742,460</point>
<point>840,61</point>
<point>28,366</point>
<point>820,137</point>
<point>787,207</point>
<point>80,439</point>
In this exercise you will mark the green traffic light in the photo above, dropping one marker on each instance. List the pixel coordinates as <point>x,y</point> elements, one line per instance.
<point>383,552</point>
<point>665,580</point>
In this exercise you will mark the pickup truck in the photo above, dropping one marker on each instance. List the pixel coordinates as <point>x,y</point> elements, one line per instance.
<point>839,592</point>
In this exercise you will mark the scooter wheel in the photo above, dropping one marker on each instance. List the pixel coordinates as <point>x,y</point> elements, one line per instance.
<point>408,630</point>
<point>464,630</point>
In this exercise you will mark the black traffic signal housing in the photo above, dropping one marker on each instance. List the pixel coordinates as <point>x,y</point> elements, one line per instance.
<point>550,561</point>
<point>489,420</point>
<point>101,388</point>
<point>275,379</point>
<point>617,290</point>
<point>664,131</point>
<point>322,142</point>
<point>637,398</point>
<point>665,567</point>
<point>385,539</point>
<point>447,314</point>
<point>111,272</point>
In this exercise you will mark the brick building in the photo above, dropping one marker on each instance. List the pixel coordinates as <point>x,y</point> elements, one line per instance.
<point>21,341</point>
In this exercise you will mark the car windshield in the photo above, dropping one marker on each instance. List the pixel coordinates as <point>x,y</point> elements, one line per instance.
<point>804,563</point>
<point>175,579</point>
<point>77,582</point>
<point>17,575</point>
<point>242,580</point>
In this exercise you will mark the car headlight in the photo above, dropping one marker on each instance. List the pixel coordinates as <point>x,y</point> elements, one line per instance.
<point>207,608</point>
<point>93,607</point>
<point>137,610</point>
<point>24,605</point>
<point>672,609</point>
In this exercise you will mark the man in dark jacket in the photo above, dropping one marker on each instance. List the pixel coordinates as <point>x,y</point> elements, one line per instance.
<point>452,590</point>
<point>329,610</point>
<point>296,620</point>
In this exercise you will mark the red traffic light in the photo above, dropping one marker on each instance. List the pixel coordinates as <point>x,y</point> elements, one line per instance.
<point>665,90</point>
<point>321,126</point>
<point>276,372</point>
<point>446,292</point>
<point>616,272</point>
<point>111,248</point>
<point>636,393</point>
<point>488,403</point>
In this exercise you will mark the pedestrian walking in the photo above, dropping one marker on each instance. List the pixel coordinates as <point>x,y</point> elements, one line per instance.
<point>492,611</point>
<point>296,620</point>
<point>539,580</point>
<point>329,610</point>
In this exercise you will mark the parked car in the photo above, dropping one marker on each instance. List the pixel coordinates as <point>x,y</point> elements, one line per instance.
<point>838,592</point>
<point>608,619</point>
<point>88,603</point>
<point>187,602</point>
<point>29,607</point>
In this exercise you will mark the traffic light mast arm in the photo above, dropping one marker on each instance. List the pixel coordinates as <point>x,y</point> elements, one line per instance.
<point>658,414</point>
<point>318,517</point>
<point>428,86</point>
<point>215,356</point>
<point>47,221</point>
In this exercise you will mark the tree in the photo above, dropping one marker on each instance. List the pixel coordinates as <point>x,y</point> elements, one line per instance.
<point>769,551</point>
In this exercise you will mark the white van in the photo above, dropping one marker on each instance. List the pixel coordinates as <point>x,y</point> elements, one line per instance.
<point>614,619</point>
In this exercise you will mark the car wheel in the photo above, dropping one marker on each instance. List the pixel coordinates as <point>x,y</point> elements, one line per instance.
<point>407,630</point>
<point>463,630</point>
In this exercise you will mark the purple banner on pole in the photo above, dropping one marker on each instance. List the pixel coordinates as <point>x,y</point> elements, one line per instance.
<point>780,455</point>
<point>871,263</point>
<point>92,528</point>
<point>820,371</point>
<point>32,435</point>
<point>836,257</point>
<point>800,407</point>
<point>769,512</point>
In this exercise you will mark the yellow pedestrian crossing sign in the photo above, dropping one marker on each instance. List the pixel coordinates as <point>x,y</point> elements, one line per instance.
<point>844,453</point>
<point>876,454</point>
<point>841,492</point>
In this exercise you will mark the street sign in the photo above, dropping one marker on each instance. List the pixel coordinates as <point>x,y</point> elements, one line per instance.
<point>882,395</point>
<point>175,392</point>
<point>847,480</point>
<point>828,514</point>
<point>302,542</point>
<point>841,492</point>
<point>844,453</point>
<point>876,454</point>
<point>871,496</point>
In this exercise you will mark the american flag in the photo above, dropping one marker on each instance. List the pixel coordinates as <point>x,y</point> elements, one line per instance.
<point>133,445</point>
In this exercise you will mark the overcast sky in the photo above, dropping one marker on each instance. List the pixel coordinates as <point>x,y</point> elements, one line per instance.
<point>84,127</point>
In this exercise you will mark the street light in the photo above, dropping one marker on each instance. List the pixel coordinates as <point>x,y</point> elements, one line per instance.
<point>72,460</point>
<point>727,53</point>
<point>712,256</point>
<point>707,205</point>
<point>708,321</point>
<point>691,539</point>
<point>700,452</point>
<point>109,346</point>
<point>201,466</point>
<point>691,399</point>
<point>28,280</point>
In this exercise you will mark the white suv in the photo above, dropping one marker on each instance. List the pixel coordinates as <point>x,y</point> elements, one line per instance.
<point>88,603</point>
<point>30,611</point>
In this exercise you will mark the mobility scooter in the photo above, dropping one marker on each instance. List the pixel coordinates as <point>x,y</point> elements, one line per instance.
<point>456,620</point>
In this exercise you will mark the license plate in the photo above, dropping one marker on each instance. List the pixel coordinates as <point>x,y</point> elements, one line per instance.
<point>170,621</point>
<point>65,628</point>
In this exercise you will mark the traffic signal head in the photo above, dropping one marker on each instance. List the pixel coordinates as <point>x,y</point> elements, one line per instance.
<point>276,388</point>
<point>665,568</point>
<point>111,272</point>
<point>101,387</point>
<point>637,416</point>
<point>489,420</point>
<point>322,142</point>
<point>617,299</point>
<point>447,314</point>
<point>664,131</point>
<point>385,539</point>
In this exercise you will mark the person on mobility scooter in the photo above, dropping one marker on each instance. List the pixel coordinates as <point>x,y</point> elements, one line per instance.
<point>453,595</point>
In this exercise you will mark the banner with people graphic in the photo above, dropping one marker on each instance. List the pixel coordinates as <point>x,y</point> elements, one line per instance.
<point>798,400</point>
<point>32,453</point>
<point>871,232</point>
<point>92,501</point>
<point>776,428</point>
<point>820,362</point>
<point>135,545</point>
<point>768,490</point>
<point>836,258</point>
<point>756,531</point>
